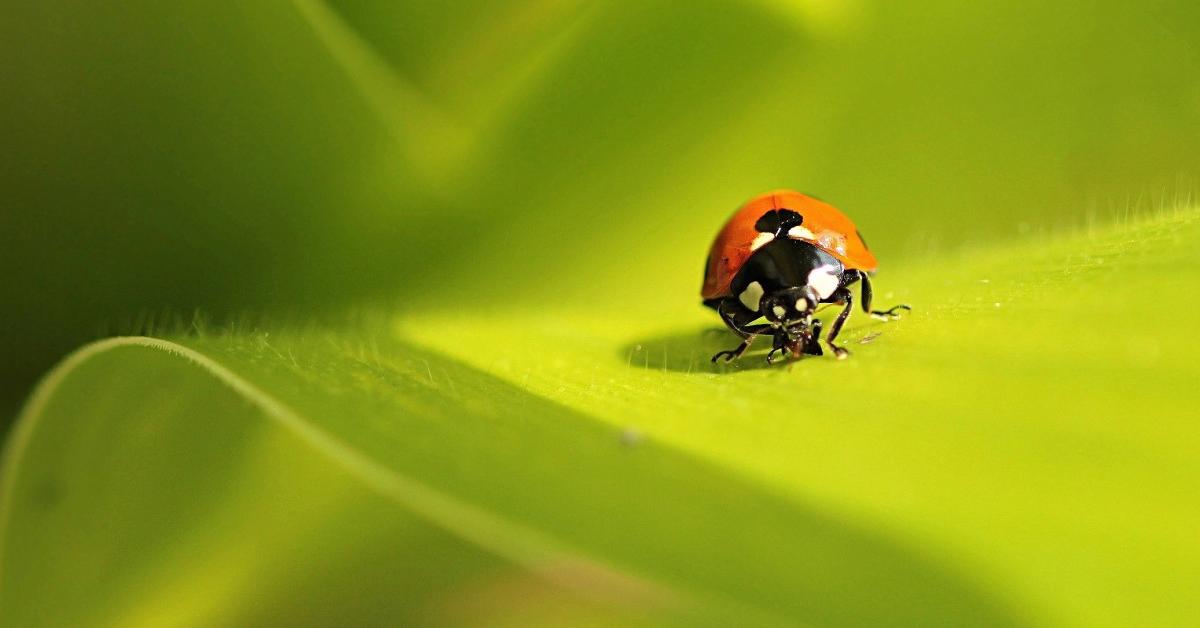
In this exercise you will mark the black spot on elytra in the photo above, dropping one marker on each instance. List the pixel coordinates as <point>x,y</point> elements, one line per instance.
<point>778,221</point>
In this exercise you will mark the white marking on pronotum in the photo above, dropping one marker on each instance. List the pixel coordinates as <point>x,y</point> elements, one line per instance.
<point>751,296</point>
<point>780,311</point>
<point>800,233</point>
<point>824,280</point>
<point>801,305</point>
<point>762,239</point>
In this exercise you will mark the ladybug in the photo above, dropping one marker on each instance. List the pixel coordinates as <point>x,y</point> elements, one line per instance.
<point>778,258</point>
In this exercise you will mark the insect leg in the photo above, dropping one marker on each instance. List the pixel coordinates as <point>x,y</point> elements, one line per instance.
<point>844,296</point>
<point>737,352</point>
<point>747,332</point>
<point>736,321</point>
<point>748,335</point>
<point>868,294</point>
<point>890,313</point>
<point>779,345</point>
<point>813,346</point>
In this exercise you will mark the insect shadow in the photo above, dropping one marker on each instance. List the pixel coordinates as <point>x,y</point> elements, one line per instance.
<point>692,352</point>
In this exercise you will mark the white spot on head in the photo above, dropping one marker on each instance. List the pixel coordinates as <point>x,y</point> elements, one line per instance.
<point>801,305</point>
<point>752,296</point>
<point>762,239</point>
<point>800,233</point>
<point>780,311</point>
<point>824,280</point>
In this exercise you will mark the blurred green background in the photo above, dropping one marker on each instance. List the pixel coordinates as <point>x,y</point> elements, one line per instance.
<point>459,244</point>
<point>160,158</point>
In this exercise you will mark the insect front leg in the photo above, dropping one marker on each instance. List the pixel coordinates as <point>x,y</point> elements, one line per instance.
<point>748,334</point>
<point>813,346</point>
<point>736,322</point>
<point>779,345</point>
<point>737,352</point>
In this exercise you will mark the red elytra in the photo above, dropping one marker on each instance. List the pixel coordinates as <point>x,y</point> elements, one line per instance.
<point>826,227</point>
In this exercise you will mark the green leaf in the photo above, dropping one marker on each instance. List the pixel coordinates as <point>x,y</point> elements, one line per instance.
<point>519,424</point>
<point>1016,452</point>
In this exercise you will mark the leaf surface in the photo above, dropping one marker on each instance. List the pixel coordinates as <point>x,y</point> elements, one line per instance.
<point>993,459</point>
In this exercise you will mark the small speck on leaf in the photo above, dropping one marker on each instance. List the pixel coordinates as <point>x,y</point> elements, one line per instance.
<point>869,337</point>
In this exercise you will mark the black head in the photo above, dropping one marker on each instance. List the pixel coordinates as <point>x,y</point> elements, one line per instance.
<point>790,313</point>
<point>788,307</point>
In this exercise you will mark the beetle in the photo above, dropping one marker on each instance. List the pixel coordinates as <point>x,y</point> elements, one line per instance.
<point>778,258</point>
